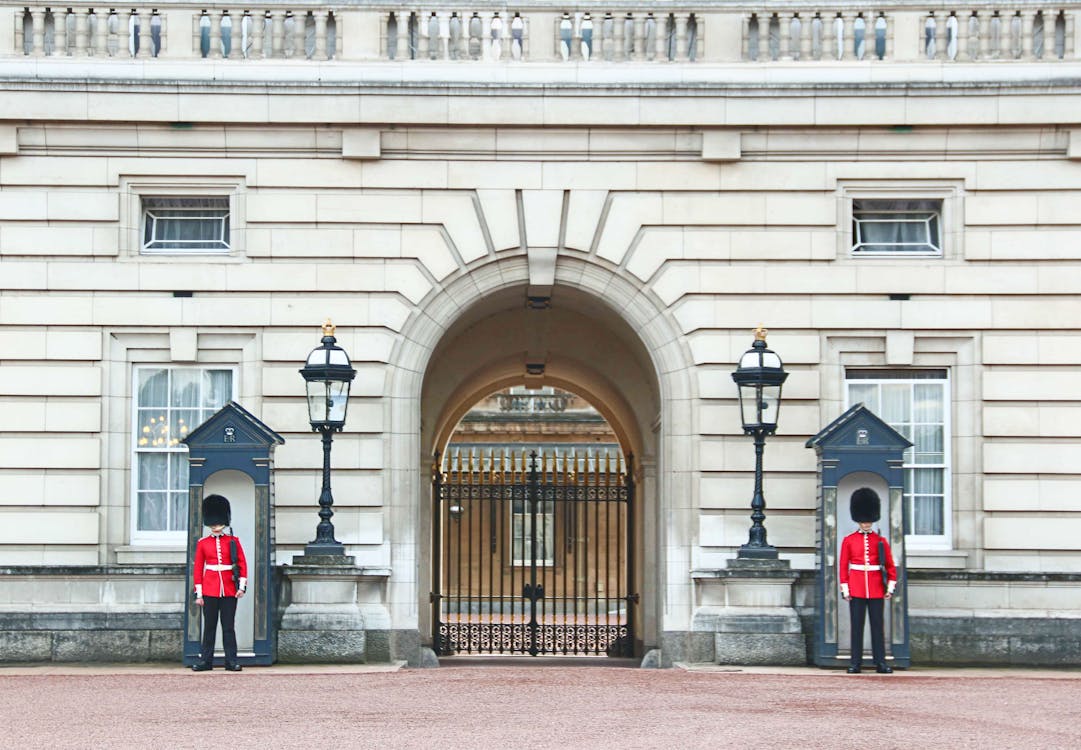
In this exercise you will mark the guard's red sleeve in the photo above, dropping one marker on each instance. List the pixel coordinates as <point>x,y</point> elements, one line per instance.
<point>842,564</point>
<point>891,567</point>
<point>199,563</point>
<point>241,560</point>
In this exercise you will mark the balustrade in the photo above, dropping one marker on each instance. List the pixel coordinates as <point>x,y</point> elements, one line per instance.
<point>543,30</point>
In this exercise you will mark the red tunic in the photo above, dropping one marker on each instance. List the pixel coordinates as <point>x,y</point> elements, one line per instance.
<point>213,566</point>
<point>859,552</point>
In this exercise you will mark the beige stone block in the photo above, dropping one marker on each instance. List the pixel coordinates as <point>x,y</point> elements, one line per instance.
<point>424,110</point>
<point>22,205</point>
<point>547,140</point>
<point>840,312</point>
<point>377,242</point>
<point>47,105</point>
<point>733,491</point>
<point>360,143</point>
<point>370,207</point>
<point>796,209</point>
<point>509,175</point>
<point>402,174</point>
<point>778,110</point>
<point>993,174</point>
<point>542,212</point>
<point>689,112</point>
<point>721,145</point>
<point>526,111</point>
<point>1019,494</point>
<point>22,416</point>
<point>1031,533</point>
<point>429,246</point>
<point>72,416</point>
<point>583,217</point>
<point>408,280</point>
<point>52,310</point>
<point>941,313</point>
<point>500,211</point>
<point>458,214</point>
<point>678,176</point>
<point>1031,384</point>
<point>968,279</point>
<point>53,172</point>
<point>1035,312</point>
<point>656,245</point>
<point>713,209</point>
<point>1031,457</point>
<point>886,278</point>
<point>1001,208</point>
<point>771,244</point>
<point>9,138</point>
<point>93,276</point>
<point>311,243</point>
<point>50,380</point>
<point>83,206</point>
<point>1010,349</point>
<point>280,206</point>
<point>564,111</point>
<point>724,419</point>
<point>46,240</point>
<point>50,453</point>
<point>296,174</point>
<point>1040,244</point>
<point>627,212</point>
<point>589,175</point>
<point>1011,421</point>
<point>764,175</point>
<point>731,530</point>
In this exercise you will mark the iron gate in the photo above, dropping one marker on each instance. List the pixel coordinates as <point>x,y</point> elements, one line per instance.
<point>533,554</point>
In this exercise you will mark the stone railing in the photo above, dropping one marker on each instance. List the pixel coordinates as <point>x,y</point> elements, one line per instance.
<point>662,31</point>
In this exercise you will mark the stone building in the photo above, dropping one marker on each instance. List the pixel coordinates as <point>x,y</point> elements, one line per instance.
<point>605,199</point>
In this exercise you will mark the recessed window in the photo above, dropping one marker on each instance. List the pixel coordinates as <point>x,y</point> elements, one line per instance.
<point>908,227</point>
<point>916,404</point>
<point>169,403</point>
<point>186,224</point>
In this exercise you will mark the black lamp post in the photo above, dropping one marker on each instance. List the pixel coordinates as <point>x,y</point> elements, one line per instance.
<point>327,376</point>
<point>759,376</point>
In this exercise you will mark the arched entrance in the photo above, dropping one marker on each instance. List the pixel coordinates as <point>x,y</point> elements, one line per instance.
<point>532,529</point>
<point>596,333</point>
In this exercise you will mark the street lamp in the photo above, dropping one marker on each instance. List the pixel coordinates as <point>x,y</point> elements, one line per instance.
<point>327,376</point>
<point>760,375</point>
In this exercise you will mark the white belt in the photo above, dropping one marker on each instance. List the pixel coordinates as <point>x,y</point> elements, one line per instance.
<point>218,567</point>
<point>852,566</point>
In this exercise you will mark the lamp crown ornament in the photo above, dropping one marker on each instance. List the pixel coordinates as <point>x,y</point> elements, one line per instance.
<point>328,328</point>
<point>760,334</point>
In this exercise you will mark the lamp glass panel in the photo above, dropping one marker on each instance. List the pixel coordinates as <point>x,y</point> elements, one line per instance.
<point>317,401</point>
<point>770,404</point>
<point>337,399</point>
<point>748,400</point>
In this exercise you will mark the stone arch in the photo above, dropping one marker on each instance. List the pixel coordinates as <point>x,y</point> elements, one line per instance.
<point>648,406</point>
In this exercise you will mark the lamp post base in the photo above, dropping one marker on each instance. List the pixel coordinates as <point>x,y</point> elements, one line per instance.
<point>746,552</point>
<point>324,554</point>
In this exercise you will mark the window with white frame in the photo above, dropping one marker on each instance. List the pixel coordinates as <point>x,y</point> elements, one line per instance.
<point>169,403</point>
<point>892,227</point>
<point>186,224</point>
<point>916,403</point>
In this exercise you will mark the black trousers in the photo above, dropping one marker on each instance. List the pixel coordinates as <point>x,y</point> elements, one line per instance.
<point>225,606</point>
<point>873,609</point>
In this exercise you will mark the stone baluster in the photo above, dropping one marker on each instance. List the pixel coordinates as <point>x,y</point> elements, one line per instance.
<point>962,37</point>
<point>300,35</point>
<point>661,49</point>
<point>422,36</point>
<point>37,31</point>
<point>60,32</point>
<point>504,37</point>
<point>146,42</point>
<point>320,53</point>
<point>784,32</point>
<point>82,29</point>
<point>277,33</point>
<point>639,21</point>
<point>989,38</point>
<point>972,36</point>
<point>215,35</point>
<point>619,38</point>
<point>101,31</point>
<point>1028,34</point>
<point>681,38</point>
<point>806,34</point>
<point>236,34</point>
<point>943,52</point>
<point>258,31</point>
<point>404,40</point>
<point>838,41</point>
<point>764,54</point>
<point>1067,52</point>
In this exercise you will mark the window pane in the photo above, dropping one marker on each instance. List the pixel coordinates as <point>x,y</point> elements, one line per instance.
<point>178,471</point>
<point>928,406</point>
<point>153,387</point>
<point>217,388</point>
<point>153,428</point>
<point>926,516</point>
<point>181,423</point>
<point>153,471</point>
<point>928,441</point>
<point>865,393</point>
<point>925,481</point>
<point>186,388</point>
<point>152,511</point>
<point>895,403</point>
<point>178,511</point>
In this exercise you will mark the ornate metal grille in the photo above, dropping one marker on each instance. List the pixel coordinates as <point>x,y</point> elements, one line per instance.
<point>533,554</point>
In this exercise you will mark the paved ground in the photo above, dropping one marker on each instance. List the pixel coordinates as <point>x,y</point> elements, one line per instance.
<point>527,705</point>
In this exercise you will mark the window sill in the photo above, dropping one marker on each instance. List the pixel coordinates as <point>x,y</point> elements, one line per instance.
<point>932,559</point>
<point>150,555</point>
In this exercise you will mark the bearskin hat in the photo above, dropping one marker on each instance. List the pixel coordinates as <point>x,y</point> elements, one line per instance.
<point>216,511</point>
<point>865,505</point>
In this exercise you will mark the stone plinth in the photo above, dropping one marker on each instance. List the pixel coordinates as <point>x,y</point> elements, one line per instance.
<point>748,608</point>
<point>334,612</point>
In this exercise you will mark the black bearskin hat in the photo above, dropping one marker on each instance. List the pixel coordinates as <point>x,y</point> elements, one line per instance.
<point>216,511</point>
<point>865,505</point>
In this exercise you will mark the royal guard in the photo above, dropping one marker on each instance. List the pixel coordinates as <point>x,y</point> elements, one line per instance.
<point>868,577</point>
<point>221,578</point>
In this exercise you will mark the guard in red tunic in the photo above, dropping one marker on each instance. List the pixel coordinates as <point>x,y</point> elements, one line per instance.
<point>864,556</point>
<point>221,578</point>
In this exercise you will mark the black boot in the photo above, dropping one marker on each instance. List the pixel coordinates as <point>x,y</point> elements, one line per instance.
<point>233,667</point>
<point>883,668</point>
<point>201,666</point>
<point>853,669</point>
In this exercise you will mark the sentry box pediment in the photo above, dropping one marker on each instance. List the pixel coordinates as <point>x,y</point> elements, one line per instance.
<point>856,450</point>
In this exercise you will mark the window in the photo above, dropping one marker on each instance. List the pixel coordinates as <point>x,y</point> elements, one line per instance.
<point>177,224</point>
<point>915,403</point>
<point>169,403</point>
<point>896,226</point>
<point>522,533</point>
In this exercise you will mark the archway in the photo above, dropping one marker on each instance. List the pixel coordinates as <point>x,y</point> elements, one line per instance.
<point>597,334</point>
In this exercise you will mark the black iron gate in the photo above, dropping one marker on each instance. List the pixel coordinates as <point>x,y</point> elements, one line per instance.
<point>533,554</point>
